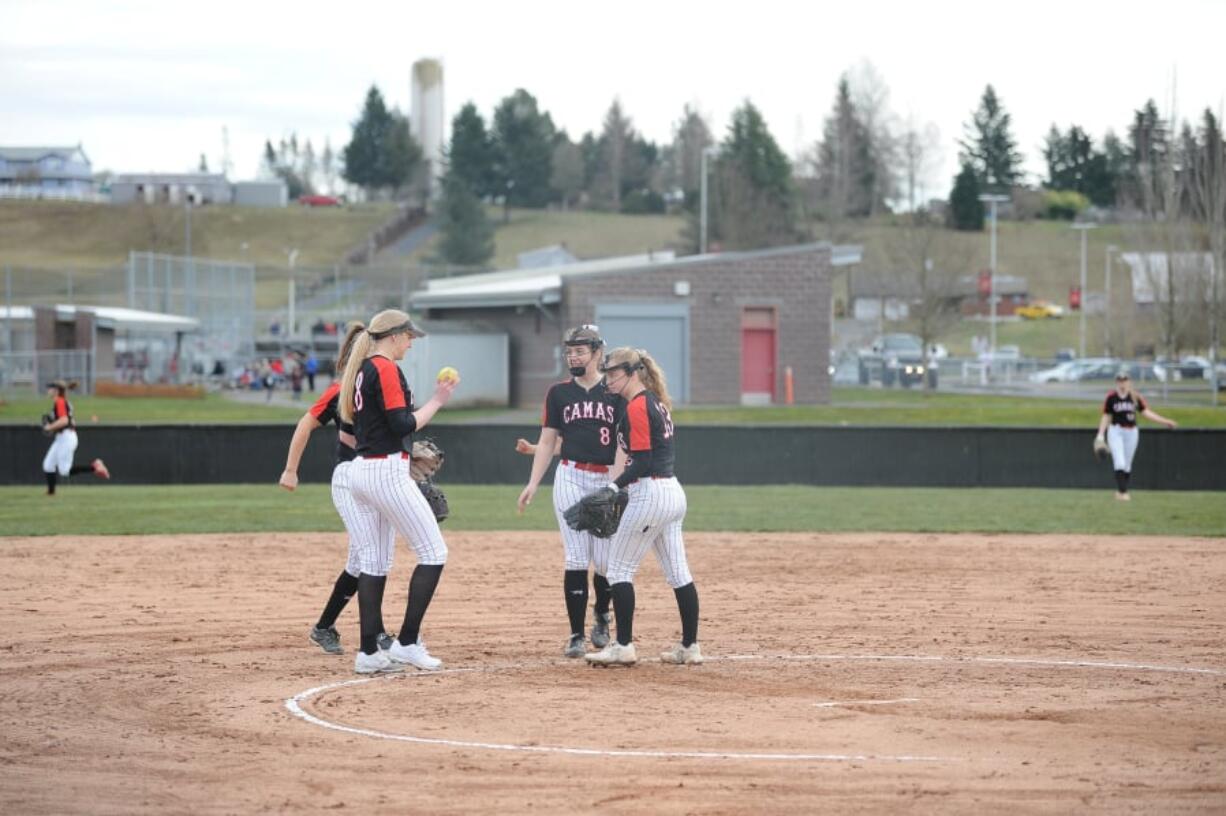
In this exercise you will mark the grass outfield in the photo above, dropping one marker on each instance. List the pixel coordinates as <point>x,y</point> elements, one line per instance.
<point>79,510</point>
<point>851,406</point>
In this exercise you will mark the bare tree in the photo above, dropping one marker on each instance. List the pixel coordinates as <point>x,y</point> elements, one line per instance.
<point>919,153</point>
<point>691,136</point>
<point>871,98</point>
<point>929,267</point>
<point>567,176</point>
<point>615,141</point>
<point>1206,173</point>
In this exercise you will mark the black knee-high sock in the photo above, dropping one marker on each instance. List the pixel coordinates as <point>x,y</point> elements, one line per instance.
<point>75,469</point>
<point>1121,481</point>
<point>342,591</point>
<point>1127,479</point>
<point>370,610</point>
<point>51,481</point>
<point>421,590</point>
<point>687,605</point>
<point>574,584</point>
<point>623,610</point>
<point>600,586</point>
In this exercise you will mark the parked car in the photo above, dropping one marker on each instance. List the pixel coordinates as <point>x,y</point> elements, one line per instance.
<point>319,201</point>
<point>1103,368</point>
<point>1039,310</point>
<point>897,358</point>
<point>1190,367</point>
<point>1064,372</point>
<point>1065,354</point>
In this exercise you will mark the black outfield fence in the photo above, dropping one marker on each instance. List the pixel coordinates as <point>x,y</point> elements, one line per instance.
<point>738,454</point>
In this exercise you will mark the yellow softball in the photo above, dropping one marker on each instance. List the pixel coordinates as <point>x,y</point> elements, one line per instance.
<point>447,373</point>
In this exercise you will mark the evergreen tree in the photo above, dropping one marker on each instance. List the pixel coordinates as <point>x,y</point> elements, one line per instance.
<point>523,140</point>
<point>566,179</point>
<point>752,200</point>
<point>846,169</point>
<point>470,156</point>
<point>989,146</point>
<point>691,136</point>
<point>401,155</point>
<point>363,155</point>
<point>467,236</point>
<point>965,208</point>
<point>1148,154</point>
<point>616,140</point>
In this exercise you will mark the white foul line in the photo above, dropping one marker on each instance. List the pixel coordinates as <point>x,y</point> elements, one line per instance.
<point>866,702</point>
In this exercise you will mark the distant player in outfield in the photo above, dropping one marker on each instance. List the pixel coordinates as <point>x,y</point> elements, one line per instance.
<point>1119,423</point>
<point>324,633</point>
<point>579,413</point>
<point>59,423</point>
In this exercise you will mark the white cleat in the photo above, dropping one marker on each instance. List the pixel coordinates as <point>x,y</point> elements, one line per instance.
<point>377,663</point>
<point>682,655</point>
<point>614,654</point>
<point>414,655</point>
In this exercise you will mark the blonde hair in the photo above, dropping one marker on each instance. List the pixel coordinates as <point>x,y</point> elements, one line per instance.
<point>650,373</point>
<point>64,386</point>
<point>360,349</point>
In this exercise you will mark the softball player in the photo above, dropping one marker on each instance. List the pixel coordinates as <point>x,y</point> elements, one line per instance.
<point>376,399</point>
<point>320,414</point>
<point>580,412</point>
<point>58,461</point>
<point>656,509</point>
<point>1119,423</point>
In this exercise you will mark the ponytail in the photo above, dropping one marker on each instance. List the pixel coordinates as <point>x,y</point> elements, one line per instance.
<point>653,377</point>
<point>359,351</point>
<point>346,348</point>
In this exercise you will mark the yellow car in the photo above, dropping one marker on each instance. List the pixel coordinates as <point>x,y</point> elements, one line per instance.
<point>1039,310</point>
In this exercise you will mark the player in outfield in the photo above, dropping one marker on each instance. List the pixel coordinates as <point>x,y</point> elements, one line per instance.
<point>1118,423</point>
<point>61,425</point>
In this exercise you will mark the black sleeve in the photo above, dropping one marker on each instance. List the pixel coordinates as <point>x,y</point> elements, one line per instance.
<point>401,421</point>
<point>640,466</point>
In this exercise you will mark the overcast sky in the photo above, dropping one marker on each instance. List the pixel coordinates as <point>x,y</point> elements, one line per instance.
<point>148,86</point>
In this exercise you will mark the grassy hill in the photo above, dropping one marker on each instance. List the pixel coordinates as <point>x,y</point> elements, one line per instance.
<point>62,235</point>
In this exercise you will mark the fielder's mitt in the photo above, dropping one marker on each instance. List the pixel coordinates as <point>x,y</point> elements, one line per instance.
<point>1101,449</point>
<point>436,499</point>
<point>46,420</point>
<point>599,513</point>
<point>424,460</point>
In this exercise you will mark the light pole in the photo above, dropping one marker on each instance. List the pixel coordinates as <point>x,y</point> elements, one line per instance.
<point>1081,346</point>
<point>1107,302</point>
<point>702,223</point>
<point>993,199</point>
<point>292,254</point>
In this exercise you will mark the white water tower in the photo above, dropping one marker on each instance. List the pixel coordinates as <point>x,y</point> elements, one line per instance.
<point>426,117</point>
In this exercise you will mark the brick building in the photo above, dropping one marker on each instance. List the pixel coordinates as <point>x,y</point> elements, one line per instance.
<point>724,327</point>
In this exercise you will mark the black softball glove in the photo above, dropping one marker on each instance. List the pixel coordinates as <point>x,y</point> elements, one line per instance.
<point>435,498</point>
<point>47,420</point>
<point>599,512</point>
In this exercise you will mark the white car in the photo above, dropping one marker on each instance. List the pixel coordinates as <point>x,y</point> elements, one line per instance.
<point>1061,373</point>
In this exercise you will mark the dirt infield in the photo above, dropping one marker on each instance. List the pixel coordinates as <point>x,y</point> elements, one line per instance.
<point>854,673</point>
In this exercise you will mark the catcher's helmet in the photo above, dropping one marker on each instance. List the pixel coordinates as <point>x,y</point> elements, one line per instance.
<point>585,335</point>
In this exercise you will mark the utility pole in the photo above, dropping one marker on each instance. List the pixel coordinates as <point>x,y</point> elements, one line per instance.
<point>1083,229</point>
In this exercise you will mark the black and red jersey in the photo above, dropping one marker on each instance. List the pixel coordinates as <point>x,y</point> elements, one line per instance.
<point>585,417</point>
<point>645,431</point>
<point>381,401</point>
<point>63,408</point>
<point>1124,410</point>
<point>326,409</point>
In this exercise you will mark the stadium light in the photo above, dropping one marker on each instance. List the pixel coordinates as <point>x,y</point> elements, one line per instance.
<point>1083,229</point>
<point>711,150</point>
<point>993,199</point>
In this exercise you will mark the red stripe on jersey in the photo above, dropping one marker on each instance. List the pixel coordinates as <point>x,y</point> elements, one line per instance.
<point>640,425</point>
<point>389,381</point>
<point>61,407</point>
<point>321,404</point>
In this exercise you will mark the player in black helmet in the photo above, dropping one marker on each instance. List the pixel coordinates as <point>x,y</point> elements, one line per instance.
<point>581,414</point>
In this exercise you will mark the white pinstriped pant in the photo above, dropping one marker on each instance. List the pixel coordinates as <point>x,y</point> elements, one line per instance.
<point>1123,444</point>
<point>342,500</point>
<point>652,520</point>
<point>387,501</point>
<point>569,486</point>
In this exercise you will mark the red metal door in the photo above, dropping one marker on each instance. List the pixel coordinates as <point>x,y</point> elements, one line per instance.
<point>758,356</point>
